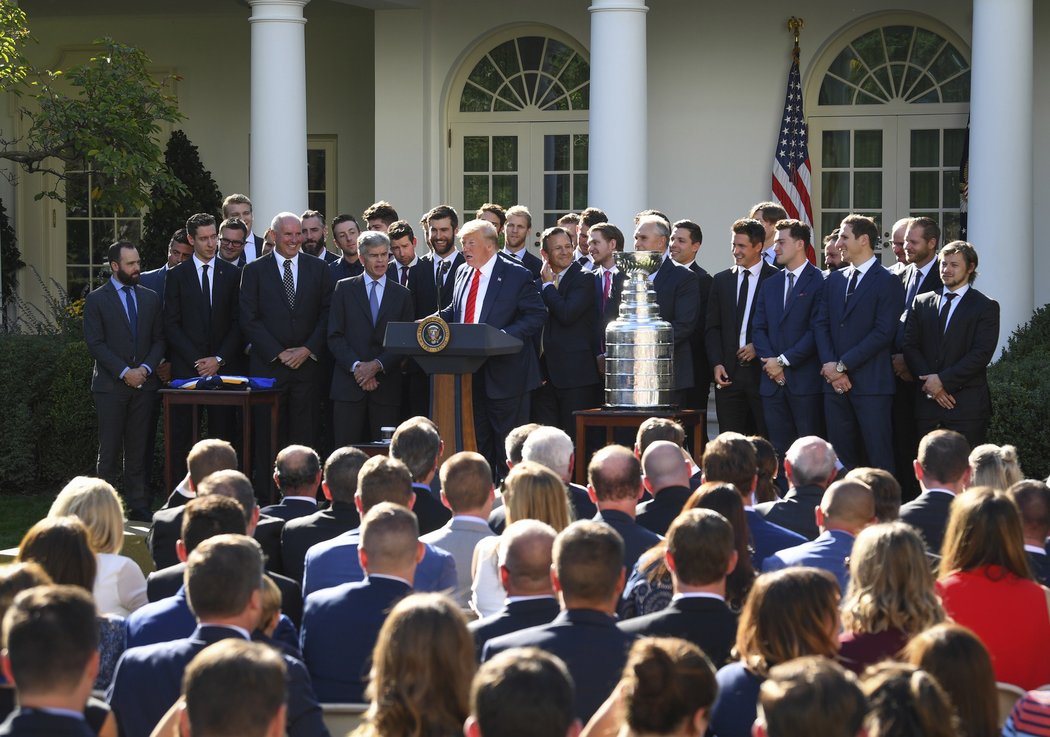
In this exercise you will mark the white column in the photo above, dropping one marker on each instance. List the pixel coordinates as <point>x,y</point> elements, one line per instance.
<point>1000,224</point>
<point>617,178</point>
<point>278,126</point>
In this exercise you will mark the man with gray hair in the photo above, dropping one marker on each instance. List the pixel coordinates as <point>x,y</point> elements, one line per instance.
<point>810,466</point>
<point>297,473</point>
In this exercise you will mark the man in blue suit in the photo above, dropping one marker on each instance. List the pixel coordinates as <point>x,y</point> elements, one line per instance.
<point>494,290</point>
<point>783,334</point>
<point>179,250</point>
<point>335,561</point>
<point>389,552</point>
<point>51,641</point>
<point>223,582</point>
<point>614,484</point>
<point>855,330</point>
<point>846,509</point>
<point>588,574</point>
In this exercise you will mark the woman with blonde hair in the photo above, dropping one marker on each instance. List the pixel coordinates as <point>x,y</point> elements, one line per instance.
<point>530,491</point>
<point>120,587</point>
<point>994,465</point>
<point>983,560</point>
<point>422,666</point>
<point>788,614</point>
<point>890,597</point>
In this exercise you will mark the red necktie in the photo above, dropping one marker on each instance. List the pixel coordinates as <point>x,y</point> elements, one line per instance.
<point>472,297</point>
<point>606,288</point>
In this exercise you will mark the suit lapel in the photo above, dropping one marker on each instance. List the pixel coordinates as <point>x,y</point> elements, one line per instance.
<point>865,284</point>
<point>360,295</point>
<point>492,292</point>
<point>804,280</point>
<point>118,303</point>
<point>958,316</point>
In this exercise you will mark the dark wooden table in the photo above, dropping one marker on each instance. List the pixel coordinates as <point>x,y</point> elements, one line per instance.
<point>610,419</point>
<point>245,399</point>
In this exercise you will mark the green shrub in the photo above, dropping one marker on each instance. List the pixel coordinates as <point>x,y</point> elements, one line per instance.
<point>71,445</point>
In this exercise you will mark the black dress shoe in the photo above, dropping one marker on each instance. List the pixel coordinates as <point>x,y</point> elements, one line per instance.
<point>140,514</point>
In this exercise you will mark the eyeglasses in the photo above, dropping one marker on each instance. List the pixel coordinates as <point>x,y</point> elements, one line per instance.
<point>228,242</point>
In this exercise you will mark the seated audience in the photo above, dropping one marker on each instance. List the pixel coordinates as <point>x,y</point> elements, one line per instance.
<point>810,696</point>
<point>943,472</point>
<point>417,444</point>
<point>904,701</point>
<point>995,466</point>
<point>884,486</point>
<point>1033,500</point>
<point>522,693</point>
<point>665,474</point>
<point>809,466</point>
<point>767,470</point>
<point>120,587</point>
<point>1030,716</point>
<point>614,484</point>
<point>297,475</point>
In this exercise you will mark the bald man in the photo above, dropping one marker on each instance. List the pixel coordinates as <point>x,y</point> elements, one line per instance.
<point>665,475</point>
<point>846,509</point>
<point>614,484</point>
<point>297,474</point>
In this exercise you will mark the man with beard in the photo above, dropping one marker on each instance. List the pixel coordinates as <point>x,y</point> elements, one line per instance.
<point>833,260</point>
<point>124,333</point>
<point>519,223</point>
<point>346,231</point>
<point>431,281</point>
<point>179,250</point>
<point>315,234</point>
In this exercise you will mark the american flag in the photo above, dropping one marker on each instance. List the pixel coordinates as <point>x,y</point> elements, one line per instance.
<point>791,170</point>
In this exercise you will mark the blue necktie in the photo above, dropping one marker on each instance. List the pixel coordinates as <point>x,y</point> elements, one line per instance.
<point>133,311</point>
<point>373,303</point>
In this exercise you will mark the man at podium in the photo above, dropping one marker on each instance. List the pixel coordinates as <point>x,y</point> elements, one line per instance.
<point>499,292</point>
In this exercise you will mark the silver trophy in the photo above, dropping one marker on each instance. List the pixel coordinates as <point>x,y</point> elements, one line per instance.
<point>639,346</point>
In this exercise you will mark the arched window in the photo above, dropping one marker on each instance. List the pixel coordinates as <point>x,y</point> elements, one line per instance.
<point>527,71</point>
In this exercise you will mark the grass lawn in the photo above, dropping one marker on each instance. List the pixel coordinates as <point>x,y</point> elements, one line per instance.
<point>17,514</point>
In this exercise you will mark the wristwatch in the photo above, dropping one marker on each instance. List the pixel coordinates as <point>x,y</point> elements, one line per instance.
<point>780,362</point>
<point>840,367</point>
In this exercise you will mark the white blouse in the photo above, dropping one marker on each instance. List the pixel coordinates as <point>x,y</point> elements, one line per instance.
<point>120,587</point>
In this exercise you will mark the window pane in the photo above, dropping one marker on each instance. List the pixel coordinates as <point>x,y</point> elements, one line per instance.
<point>554,92</point>
<point>556,57</point>
<point>951,188</point>
<point>576,73</point>
<point>579,152</point>
<point>873,89</point>
<point>882,76</point>
<point>509,94</point>
<point>504,153</point>
<point>581,98</point>
<point>957,90</point>
<point>925,148</point>
<point>897,71</point>
<point>579,192</point>
<point>949,63</point>
<point>475,153</point>
<point>543,83</point>
<point>922,86</point>
<point>76,196</point>
<point>102,238</point>
<point>867,149</point>
<point>315,168</point>
<point>848,66</point>
<point>898,39</point>
<point>556,192</point>
<point>927,44</point>
<point>505,189</point>
<point>77,241</point>
<point>518,83</point>
<point>835,189</point>
<point>556,153</point>
<point>502,106</point>
<point>78,282</point>
<point>506,57</point>
<point>474,100</point>
<point>318,201</point>
<point>950,227</point>
<point>835,92</point>
<point>869,46</point>
<point>867,189</point>
<point>830,221</point>
<point>98,210</point>
<point>531,50</point>
<point>953,146</point>
<point>835,149</point>
<point>475,191</point>
<point>485,75</point>
<point>925,189</point>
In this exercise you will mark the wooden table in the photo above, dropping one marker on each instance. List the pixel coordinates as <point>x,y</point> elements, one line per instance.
<point>610,419</point>
<point>373,449</point>
<point>245,399</point>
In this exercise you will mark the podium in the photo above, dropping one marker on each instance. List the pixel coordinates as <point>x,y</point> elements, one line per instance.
<point>451,371</point>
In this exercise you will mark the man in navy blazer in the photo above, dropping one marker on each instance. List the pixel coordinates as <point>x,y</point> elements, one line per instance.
<point>847,508</point>
<point>943,470</point>
<point>341,624</point>
<point>604,240</point>
<point>490,289</point>
<point>810,467</point>
<point>224,578</point>
<point>179,250</point>
<point>524,559</point>
<point>418,445</point>
<point>855,329</point>
<point>785,308</point>
<point>686,239</point>
<point>588,575</point>
<point>614,484</point>
<point>517,227</point>
<point>950,338</point>
<point>124,332</point>
<point>297,475</point>
<point>729,332</point>
<point>666,476</point>
<point>432,281</point>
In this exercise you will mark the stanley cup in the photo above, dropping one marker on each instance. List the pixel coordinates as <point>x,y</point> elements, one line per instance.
<point>639,346</point>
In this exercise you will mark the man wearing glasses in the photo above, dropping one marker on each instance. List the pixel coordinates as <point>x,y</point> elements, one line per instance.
<point>233,234</point>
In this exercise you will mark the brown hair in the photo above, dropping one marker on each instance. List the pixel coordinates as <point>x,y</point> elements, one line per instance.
<point>905,701</point>
<point>665,682</point>
<point>208,456</point>
<point>658,428</point>
<point>943,455</point>
<point>885,487</point>
<point>968,252</point>
<point>494,209</point>
<point>16,578</point>
<point>523,692</point>
<point>730,457</point>
<point>701,543</point>
<point>208,516</point>
<point>765,468</point>
<point>383,479</point>
<point>615,474</point>
<point>984,529</point>
<point>588,560</point>
<point>811,696</point>
<point>466,481</point>
<point>863,225</point>
<point>533,491</point>
<point>726,500</point>
<point>60,546</point>
<point>222,574</point>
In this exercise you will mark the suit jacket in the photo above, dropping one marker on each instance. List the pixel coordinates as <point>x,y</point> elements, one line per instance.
<point>167,528</point>
<point>960,357</point>
<point>767,538</point>
<point>353,338</point>
<point>301,533</point>
<point>579,503</point>
<point>342,270</point>
<point>568,335</point>
<point>720,333</point>
<point>430,512</point>
<point>512,305</point>
<point>658,513</point>
<point>928,513</point>
<point>930,283</point>
<point>1040,567</point>
<point>514,616</point>
<point>589,644</point>
<point>34,723</point>
<point>338,663</point>
<point>335,562</point>
<point>422,282</point>
<point>678,295</point>
<point>459,537</point>
<point>795,511</point>
<point>107,333</point>
<point>270,325</point>
<point>289,509</point>
<point>861,334</point>
<point>612,307</point>
<point>829,552</point>
<point>701,364</point>
<point>636,539</point>
<point>155,279</point>
<point>787,329</point>
<point>192,329</point>
<point>704,621</point>
<point>149,680</point>
<point>532,262</point>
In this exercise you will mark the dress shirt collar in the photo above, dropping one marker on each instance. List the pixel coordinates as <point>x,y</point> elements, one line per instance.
<point>245,634</point>
<point>470,518</point>
<point>697,595</point>
<point>949,492</point>
<point>310,499</point>
<point>602,269</point>
<point>862,268</point>
<point>924,270</point>
<point>958,292</point>
<point>56,711</point>
<point>199,263</point>
<point>380,282</point>
<point>797,272</point>
<point>515,254</point>
<point>118,285</point>
<point>281,259</point>
<point>391,578</point>
<point>1034,549</point>
<point>512,599</point>
<point>486,269</point>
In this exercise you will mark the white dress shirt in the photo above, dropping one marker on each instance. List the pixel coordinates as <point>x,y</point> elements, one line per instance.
<point>483,287</point>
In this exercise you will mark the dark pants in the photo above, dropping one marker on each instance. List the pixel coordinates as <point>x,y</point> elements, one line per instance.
<point>299,422</point>
<point>360,421</point>
<point>555,407</point>
<point>123,429</point>
<point>860,429</point>
<point>222,423</point>
<point>905,438</point>
<point>975,430</point>
<point>739,405</point>
<point>493,421</point>
<point>792,416</point>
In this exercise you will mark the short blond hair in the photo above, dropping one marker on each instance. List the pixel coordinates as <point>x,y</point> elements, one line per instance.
<point>482,227</point>
<point>95,503</point>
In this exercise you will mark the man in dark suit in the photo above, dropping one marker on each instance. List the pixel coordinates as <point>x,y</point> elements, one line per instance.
<point>855,329</point>
<point>315,237</point>
<point>614,484</point>
<point>51,654</point>
<point>809,465</point>
<point>285,297</point>
<point>785,307</point>
<point>943,470</point>
<point>200,326</point>
<point>603,242</point>
<point>417,443</point>
<point>769,214</point>
<point>1033,500</point>
<point>524,558</point>
<point>223,580</point>
<point>297,475</point>
<point>686,239</point>
<point>588,575</point>
<point>677,294</point>
<point>402,252</point>
<point>366,383</point>
<point>389,551</point>
<point>701,552</point>
<point>490,289</point>
<point>729,333</point>
<point>517,227</point>
<point>567,360</point>
<point>124,332</point>
<point>339,485</point>
<point>233,236</point>
<point>666,473</point>
<point>950,337</point>
<point>345,233</point>
<point>240,207</point>
<point>179,250</point>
